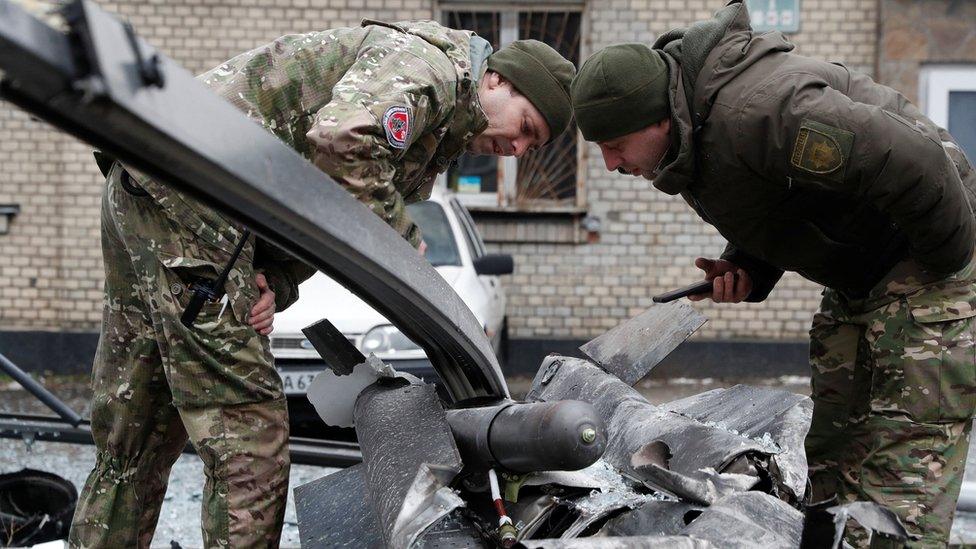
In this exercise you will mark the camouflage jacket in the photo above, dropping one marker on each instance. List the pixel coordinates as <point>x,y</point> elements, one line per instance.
<point>382,108</point>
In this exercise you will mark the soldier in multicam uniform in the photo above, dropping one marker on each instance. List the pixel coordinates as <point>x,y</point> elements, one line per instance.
<point>805,166</point>
<point>383,109</point>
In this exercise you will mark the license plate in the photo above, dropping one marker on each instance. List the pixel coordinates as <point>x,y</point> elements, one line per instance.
<point>296,382</point>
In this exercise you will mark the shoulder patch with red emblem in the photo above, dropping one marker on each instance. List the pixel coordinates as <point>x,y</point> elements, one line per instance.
<point>396,124</point>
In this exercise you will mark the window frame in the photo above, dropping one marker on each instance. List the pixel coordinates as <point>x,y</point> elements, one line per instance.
<point>476,246</point>
<point>505,198</point>
<point>936,81</point>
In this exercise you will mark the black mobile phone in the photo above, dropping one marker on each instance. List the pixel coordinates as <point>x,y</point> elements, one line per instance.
<point>701,287</point>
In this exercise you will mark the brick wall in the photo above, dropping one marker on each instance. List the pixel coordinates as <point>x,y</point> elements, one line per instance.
<point>51,276</point>
<point>927,31</point>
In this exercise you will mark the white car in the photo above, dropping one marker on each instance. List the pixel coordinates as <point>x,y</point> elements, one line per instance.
<point>454,248</point>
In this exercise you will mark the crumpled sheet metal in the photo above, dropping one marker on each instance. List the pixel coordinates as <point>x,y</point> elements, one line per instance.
<point>748,520</point>
<point>427,501</point>
<point>704,487</point>
<point>769,415</point>
<point>633,422</point>
<point>635,542</point>
<point>451,531</point>
<point>743,520</point>
<point>633,348</point>
<point>334,511</point>
<point>601,504</point>
<point>825,522</point>
<point>615,493</point>
<point>409,457</point>
<point>654,518</point>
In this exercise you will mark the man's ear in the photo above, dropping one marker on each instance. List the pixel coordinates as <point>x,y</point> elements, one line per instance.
<point>496,80</point>
<point>493,80</point>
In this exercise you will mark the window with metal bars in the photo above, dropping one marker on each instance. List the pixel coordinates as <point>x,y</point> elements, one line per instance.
<point>542,179</point>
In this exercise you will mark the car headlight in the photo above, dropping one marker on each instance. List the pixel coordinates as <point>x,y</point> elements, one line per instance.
<point>386,339</point>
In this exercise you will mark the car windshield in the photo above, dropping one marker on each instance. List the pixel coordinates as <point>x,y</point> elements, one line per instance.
<point>433,223</point>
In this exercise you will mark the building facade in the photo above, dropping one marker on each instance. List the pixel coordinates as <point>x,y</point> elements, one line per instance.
<point>590,247</point>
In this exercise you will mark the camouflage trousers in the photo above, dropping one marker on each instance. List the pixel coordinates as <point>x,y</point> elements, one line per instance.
<point>157,384</point>
<point>894,392</point>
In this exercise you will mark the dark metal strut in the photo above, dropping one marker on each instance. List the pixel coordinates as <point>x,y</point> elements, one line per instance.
<point>304,451</point>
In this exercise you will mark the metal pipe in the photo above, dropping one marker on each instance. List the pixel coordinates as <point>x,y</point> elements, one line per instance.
<point>304,451</point>
<point>38,390</point>
<point>564,435</point>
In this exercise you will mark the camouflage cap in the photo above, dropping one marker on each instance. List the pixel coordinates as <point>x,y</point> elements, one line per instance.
<point>542,75</point>
<point>619,90</point>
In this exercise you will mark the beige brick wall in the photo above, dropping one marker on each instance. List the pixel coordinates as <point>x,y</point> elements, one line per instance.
<point>50,277</point>
<point>931,31</point>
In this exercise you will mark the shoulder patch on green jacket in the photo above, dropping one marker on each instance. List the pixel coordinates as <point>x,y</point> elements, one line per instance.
<point>822,150</point>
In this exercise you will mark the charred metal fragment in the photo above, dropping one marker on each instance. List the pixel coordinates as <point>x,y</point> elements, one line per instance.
<point>824,523</point>
<point>654,518</point>
<point>334,347</point>
<point>454,530</point>
<point>634,542</point>
<point>409,455</point>
<point>704,487</point>
<point>334,512</point>
<point>429,503</point>
<point>748,520</point>
<point>632,349</point>
<point>775,417</point>
<point>632,422</point>
<point>584,515</point>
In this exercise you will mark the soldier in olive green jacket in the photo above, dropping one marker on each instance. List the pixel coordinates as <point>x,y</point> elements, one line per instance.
<point>805,166</point>
<point>383,109</point>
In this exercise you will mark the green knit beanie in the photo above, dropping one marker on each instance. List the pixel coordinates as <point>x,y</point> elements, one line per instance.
<point>540,74</point>
<point>619,90</point>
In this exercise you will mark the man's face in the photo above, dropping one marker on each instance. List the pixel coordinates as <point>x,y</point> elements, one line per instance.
<point>515,126</point>
<point>638,153</point>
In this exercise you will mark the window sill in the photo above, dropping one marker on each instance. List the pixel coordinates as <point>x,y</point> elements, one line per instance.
<point>542,225</point>
<point>529,210</point>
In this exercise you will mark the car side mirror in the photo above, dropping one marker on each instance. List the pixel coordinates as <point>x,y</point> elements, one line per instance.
<point>494,264</point>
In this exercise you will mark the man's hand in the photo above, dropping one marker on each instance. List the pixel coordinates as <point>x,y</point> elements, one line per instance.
<point>422,248</point>
<point>262,313</point>
<point>730,284</point>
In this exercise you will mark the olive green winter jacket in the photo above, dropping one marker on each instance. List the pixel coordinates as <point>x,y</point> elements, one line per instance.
<point>806,166</point>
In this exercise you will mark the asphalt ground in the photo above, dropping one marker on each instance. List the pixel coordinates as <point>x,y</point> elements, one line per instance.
<point>180,516</point>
